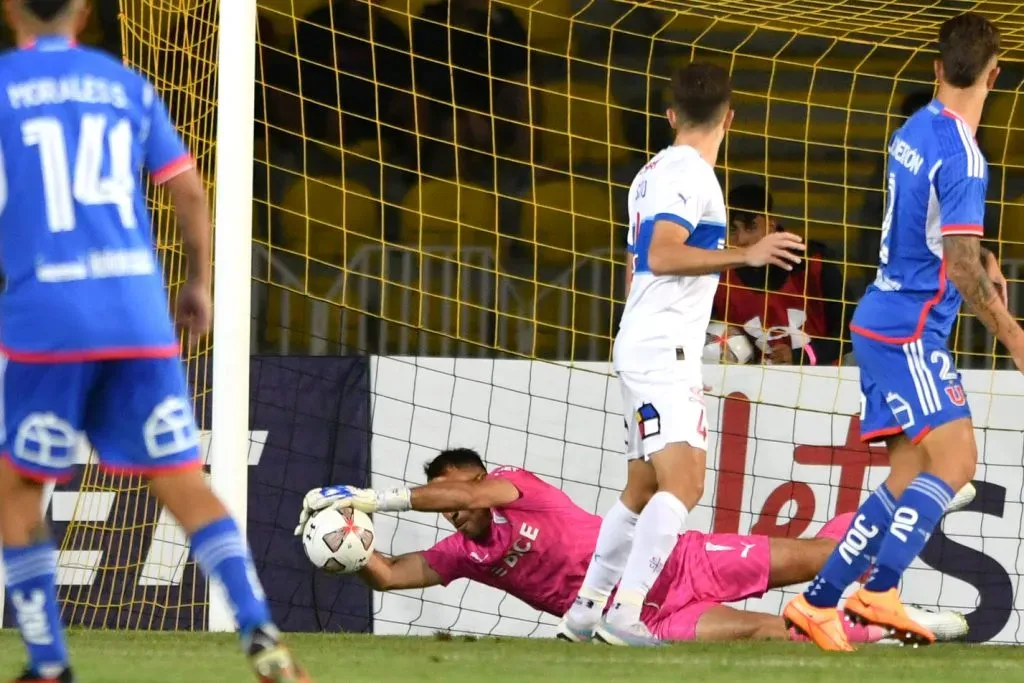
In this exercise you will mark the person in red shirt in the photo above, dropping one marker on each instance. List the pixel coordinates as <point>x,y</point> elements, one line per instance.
<point>793,317</point>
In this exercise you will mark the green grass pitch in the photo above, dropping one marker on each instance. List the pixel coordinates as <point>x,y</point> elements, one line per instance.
<point>113,657</point>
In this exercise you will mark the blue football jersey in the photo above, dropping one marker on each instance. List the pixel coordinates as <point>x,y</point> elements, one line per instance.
<point>77,129</point>
<point>936,183</point>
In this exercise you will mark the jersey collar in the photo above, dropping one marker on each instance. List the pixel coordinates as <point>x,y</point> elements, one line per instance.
<point>939,108</point>
<point>49,43</point>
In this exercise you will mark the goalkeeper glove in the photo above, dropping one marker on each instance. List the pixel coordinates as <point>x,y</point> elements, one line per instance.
<point>364,500</point>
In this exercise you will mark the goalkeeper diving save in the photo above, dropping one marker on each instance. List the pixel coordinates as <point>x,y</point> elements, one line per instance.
<point>517,533</point>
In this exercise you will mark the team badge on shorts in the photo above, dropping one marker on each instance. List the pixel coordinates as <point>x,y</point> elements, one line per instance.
<point>648,421</point>
<point>956,395</point>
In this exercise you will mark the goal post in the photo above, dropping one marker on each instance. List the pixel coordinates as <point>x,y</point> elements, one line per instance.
<point>232,273</point>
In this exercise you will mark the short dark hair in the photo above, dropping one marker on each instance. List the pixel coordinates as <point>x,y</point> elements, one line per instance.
<point>461,458</point>
<point>700,92</point>
<point>748,201</point>
<point>45,10</point>
<point>966,45</point>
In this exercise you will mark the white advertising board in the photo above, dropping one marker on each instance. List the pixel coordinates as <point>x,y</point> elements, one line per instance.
<point>784,457</point>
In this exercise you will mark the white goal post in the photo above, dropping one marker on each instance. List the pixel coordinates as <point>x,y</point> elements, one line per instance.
<point>232,274</point>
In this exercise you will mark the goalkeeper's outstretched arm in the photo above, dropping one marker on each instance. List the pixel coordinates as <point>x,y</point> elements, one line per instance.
<point>437,496</point>
<point>411,570</point>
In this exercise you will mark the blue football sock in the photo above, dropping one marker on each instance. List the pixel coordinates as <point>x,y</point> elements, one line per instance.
<point>855,552</point>
<point>918,511</point>
<point>31,578</point>
<point>221,553</point>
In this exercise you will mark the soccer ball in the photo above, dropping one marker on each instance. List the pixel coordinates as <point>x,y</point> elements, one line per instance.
<point>725,344</point>
<point>339,541</point>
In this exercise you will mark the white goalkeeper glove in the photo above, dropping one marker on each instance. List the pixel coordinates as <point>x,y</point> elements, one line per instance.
<point>364,500</point>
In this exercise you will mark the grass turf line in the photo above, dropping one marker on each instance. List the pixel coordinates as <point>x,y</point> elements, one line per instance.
<point>134,657</point>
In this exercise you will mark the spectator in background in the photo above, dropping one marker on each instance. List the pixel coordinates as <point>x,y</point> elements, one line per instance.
<point>470,53</point>
<point>278,108</point>
<point>354,58</point>
<point>793,317</point>
<point>278,124</point>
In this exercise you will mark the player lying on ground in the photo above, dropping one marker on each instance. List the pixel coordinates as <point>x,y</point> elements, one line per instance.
<point>517,533</point>
<point>88,342</point>
<point>677,243</point>
<point>912,394</point>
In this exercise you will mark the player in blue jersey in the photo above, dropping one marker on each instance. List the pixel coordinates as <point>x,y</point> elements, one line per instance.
<point>931,259</point>
<point>88,345</point>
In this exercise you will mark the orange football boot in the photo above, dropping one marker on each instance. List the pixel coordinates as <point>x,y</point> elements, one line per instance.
<point>822,625</point>
<point>885,609</point>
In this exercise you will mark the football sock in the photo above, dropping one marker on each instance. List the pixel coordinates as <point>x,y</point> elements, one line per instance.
<point>222,554</point>
<point>856,550</point>
<point>31,578</point>
<point>613,544</point>
<point>657,532</point>
<point>918,511</point>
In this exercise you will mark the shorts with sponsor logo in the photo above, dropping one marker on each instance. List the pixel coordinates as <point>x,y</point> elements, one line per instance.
<point>909,388</point>
<point>136,414</point>
<point>705,570</point>
<point>663,406</point>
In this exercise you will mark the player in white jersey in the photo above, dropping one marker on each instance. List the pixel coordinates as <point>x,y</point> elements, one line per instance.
<point>677,246</point>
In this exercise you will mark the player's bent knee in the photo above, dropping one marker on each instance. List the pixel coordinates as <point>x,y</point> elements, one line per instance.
<point>680,469</point>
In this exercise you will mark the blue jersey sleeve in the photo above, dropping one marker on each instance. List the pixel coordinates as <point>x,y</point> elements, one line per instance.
<point>165,154</point>
<point>960,186</point>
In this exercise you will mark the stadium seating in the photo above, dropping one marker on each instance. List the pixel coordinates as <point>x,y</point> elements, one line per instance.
<point>308,317</point>
<point>548,23</point>
<point>579,123</point>
<point>317,215</point>
<point>284,14</point>
<point>569,218</point>
<point>555,320</point>
<point>453,305</point>
<point>402,12</point>
<point>442,213</point>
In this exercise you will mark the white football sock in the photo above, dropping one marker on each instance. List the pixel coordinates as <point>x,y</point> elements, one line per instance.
<point>613,544</point>
<point>657,532</point>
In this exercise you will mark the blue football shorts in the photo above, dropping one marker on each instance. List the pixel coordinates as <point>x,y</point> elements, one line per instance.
<point>135,412</point>
<point>910,388</point>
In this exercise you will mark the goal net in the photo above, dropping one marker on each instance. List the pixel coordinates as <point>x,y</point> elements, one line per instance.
<point>438,233</point>
<point>441,189</point>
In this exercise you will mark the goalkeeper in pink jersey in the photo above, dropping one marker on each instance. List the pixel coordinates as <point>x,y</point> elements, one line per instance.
<point>522,535</point>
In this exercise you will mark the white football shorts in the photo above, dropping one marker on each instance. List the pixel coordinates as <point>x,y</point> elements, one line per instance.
<point>663,406</point>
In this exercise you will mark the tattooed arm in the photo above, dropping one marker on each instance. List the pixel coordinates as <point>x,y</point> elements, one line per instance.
<point>995,273</point>
<point>967,266</point>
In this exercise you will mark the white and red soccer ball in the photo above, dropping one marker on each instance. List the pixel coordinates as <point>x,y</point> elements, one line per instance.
<point>339,541</point>
<point>727,344</point>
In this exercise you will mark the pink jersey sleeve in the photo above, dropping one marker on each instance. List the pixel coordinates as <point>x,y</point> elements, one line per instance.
<point>448,558</point>
<point>534,493</point>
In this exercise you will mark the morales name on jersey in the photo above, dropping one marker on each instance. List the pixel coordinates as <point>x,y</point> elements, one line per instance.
<point>936,184</point>
<point>665,312</point>
<point>77,129</point>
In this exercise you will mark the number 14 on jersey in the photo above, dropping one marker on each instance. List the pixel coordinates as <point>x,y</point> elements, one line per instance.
<point>65,183</point>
